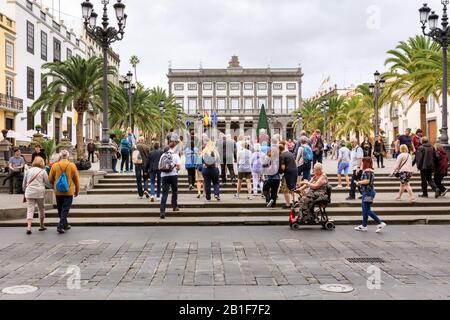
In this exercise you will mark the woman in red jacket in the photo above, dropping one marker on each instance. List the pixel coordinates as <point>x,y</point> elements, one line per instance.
<point>441,170</point>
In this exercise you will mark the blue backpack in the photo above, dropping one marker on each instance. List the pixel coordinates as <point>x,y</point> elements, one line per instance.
<point>62,185</point>
<point>191,158</point>
<point>307,154</point>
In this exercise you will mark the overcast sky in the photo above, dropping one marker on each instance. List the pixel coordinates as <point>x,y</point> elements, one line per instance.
<point>344,39</point>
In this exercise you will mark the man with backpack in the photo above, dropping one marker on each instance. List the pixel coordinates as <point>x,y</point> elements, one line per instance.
<point>191,154</point>
<point>140,158</point>
<point>318,146</point>
<point>169,165</point>
<point>66,184</point>
<point>304,159</point>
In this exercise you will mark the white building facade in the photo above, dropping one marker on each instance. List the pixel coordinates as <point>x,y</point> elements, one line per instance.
<point>236,95</point>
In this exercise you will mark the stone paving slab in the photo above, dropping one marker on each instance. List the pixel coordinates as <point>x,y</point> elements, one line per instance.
<point>227,263</point>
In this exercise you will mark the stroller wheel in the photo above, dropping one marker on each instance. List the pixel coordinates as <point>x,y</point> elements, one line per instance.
<point>330,226</point>
<point>295,226</point>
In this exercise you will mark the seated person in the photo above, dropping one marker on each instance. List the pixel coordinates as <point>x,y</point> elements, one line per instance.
<point>16,166</point>
<point>313,191</point>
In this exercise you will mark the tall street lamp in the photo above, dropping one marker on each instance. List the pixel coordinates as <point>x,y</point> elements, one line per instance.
<point>299,125</point>
<point>106,35</point>
<point>377,89</point>
<point>130,88</point>
<point>162,110</point>
<point>442,37</point>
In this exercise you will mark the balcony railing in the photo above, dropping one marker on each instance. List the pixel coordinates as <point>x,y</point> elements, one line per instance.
<point>11,103</point>
<point>239,112</point>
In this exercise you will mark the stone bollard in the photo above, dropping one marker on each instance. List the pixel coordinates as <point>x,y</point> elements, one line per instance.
<point>5,150</point>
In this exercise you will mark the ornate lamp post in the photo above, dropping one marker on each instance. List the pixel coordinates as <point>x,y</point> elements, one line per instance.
<point>162,110</point>
<point>441,36</point>
<point>131,88</point>
<point>299,125</point>
<point>377,89</point>
<point>106,35</point>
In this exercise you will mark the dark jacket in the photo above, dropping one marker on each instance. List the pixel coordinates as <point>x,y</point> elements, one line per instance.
<point>442,162</point>
<point>153,160</point>
<point>144,150</point>
<point>40,154</point>
<point>379,147</point>
<point>426,157</point>
<point>227,151</point>
<point>91,147</point>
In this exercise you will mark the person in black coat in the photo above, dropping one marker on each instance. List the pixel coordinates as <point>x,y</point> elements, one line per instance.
<point>426,159</point>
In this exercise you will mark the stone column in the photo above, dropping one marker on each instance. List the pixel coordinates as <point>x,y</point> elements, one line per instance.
<point>228,127</point>
<point>241,128</point>
<point>269,97</point>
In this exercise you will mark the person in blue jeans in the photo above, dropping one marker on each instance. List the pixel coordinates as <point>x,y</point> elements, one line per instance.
<point>210,171</point>
<point>344,158</point>
<point>154,173</point>
<point>170,178</point>
<point>125,150</point>
<point>368,192</point>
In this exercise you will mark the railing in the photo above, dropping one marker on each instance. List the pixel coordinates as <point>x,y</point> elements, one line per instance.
<point>11,103</point>
<point>241,112</point>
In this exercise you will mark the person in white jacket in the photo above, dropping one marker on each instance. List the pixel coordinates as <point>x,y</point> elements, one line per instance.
<point>34,183</point>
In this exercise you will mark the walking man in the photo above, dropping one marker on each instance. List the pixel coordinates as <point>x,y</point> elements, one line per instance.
<point>155,173</point>
<point>66,184</point>
<point>356,157</point>
<point>318,146</point>
<point>140,159</point>
<point>170,164</point>
<point>426,160</point>
<point>228,154</point>
<point>91,150</point>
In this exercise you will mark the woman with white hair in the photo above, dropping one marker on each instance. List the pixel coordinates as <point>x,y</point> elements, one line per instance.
<point>257,160</point>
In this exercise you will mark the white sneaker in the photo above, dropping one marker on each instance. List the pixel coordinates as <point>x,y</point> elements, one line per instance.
<point>361,228</point>
<point>340,187</point>
<point>236,196</point>
<point>250,198</point>
<point>381,227</point>
<point>158,199</point>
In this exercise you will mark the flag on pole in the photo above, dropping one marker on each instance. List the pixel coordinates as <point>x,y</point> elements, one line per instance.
<point>206,119</point>
<point>215,120</point>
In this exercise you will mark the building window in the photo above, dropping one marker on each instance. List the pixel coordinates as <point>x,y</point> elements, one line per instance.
<point>235,86</point>
<point>9,55</point>
<point>69,53</point>
<point>207,105</point>
<point>291,104</point>
<point>207,86</point>
<point>56,50</point>
<point>44,123</point>
<point>77,42</point>
<point>56,26</point>
<point>180,102</point>
<point>43,16</point>
<point>431,104</point>
<point>29,5</point>
<point>30,119</point>
<point>248,104</point>
<point>30,83</point>
<point>248,86</point>
<point>277,86</point>
<point>9,87</point>
<point>278,104</point>
<point>43,46</point>
<point>291,86</point>
<point>192,86</point>
<point>234,103</point>
<point>179,87</point>
<point>69,128</point>
<point>192,106</point>
<point>43,83</point>
<point>221,104</point>
<point>262,102</point>
<point>30,37</point>
<point>221,86</point>
<point>262,86</point>
<point>68,35</point>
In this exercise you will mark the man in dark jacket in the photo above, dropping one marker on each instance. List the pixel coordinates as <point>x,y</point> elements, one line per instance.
<point>140,159</point>
<point>441,170</point>
<point>227,152</point>
<point>426,163</point>
<point>91,150</point>
<point>154,172</point>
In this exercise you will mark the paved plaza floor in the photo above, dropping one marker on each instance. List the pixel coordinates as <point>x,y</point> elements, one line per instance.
<point>226,263</point>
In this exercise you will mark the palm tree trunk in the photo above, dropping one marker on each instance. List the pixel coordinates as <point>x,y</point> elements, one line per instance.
<point>358,136</point>
<point>423,115</point>
<point>135,73</point>
<point>80,142</point>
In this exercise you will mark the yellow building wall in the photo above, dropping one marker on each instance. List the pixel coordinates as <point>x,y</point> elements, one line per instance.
<point>7,33</point>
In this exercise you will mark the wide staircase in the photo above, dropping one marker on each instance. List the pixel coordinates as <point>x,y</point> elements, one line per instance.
<point>114,202</point>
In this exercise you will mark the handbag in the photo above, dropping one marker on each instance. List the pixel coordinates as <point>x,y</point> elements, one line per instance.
<point>368,199</point>
<point>398,174</point>
<point>24,200</point>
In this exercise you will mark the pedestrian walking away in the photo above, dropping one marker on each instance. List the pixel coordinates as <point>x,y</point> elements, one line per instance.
<point>441,170</point>
<point>140,159</point>
<point>368,191</point>
<point>227,149</point>
<point>403,170</point>
<point>125,151</point>
<point>66,184</point>
<point>257,160</point>
<point>272,178</point>
<point>132,142</point>
<point>304,159</point>
<point>169,165</point>
<point>357,155</point>
<point>34,183</point>
<point>288,167</point>
<point>191,156</point>
<point>154,172</point>
<point>344,159</point>
<point>210,170</point>
<point>426,159</point>
<point>244,159</point>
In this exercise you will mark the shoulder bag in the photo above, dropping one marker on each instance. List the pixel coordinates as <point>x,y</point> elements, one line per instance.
<point>28,184</point>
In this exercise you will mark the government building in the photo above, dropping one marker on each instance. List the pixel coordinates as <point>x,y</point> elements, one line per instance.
<point>236,95</point>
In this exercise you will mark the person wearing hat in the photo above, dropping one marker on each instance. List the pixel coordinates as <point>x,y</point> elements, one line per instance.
<point>38,152</point>
<point>170,179</point>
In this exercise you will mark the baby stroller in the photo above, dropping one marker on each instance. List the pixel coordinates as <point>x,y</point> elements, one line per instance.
<point>317,216</point>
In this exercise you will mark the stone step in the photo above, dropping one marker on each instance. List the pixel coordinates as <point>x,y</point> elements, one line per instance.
<point>244,203</point>
<point>129,176</point>
<point>230,190</point>
<point>172,220</point>
<point>254,212</point>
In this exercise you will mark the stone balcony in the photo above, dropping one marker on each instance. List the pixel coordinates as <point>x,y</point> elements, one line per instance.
<point>11,103</point>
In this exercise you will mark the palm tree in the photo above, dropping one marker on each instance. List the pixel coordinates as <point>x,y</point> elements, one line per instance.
<point>335,109</point>
<point>358,117</point>
<point>312,115</point>
<point>408,68</point>
<point>134,61</point>
<point>77,83</point>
